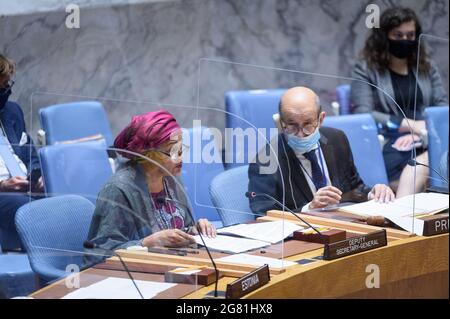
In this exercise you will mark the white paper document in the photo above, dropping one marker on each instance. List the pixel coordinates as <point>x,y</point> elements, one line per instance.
<point>424,203</point>
<point>272,232</point>
<point>119,288</point>
<point>400,212</point>
<point>257,261</point>
<point>229,244</point>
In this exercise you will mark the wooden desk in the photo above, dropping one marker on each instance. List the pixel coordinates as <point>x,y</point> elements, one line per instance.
<point>409,267</point>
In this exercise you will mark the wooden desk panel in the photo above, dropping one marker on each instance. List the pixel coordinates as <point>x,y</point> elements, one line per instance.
<point>410,267</point>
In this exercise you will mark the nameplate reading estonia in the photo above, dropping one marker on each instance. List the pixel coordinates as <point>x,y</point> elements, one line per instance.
<point>355,245</point>
<point>248,283</point>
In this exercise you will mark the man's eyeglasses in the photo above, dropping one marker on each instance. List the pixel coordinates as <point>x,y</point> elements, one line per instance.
<point>7,88</point>
<point>306,130</point>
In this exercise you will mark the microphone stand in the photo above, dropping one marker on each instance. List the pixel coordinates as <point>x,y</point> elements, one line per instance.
<point>216,271</point>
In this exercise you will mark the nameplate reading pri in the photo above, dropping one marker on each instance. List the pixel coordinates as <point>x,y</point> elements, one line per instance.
<point>248,283</point>
<point>438,224</point>
<point>355,245</point>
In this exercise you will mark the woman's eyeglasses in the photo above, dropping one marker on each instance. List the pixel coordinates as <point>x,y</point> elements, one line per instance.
<point>175,153</point>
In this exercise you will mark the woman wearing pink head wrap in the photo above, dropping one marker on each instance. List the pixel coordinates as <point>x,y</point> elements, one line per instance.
<point>135,206</point>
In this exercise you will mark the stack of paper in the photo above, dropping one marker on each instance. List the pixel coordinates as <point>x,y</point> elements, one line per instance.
<point>423,203</point>
<point>255,235</point>
<point>272,232</point>
<point>228,244</point>
<point>119,288</point>
<point>405,212</point>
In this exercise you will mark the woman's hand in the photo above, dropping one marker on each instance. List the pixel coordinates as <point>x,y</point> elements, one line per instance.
<point>39,185</point>
<point>416,126</point>
<point>168,238</point>
<point>206,228</point>
<point>406,142</point>
<point>14,184</point>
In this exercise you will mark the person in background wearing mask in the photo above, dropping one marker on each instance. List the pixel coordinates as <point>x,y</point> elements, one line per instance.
<point>16,160</point>
<point>316,162</point>
<point>388,69</point>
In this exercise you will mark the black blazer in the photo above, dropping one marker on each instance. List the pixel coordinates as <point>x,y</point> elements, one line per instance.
<point>341,169</point>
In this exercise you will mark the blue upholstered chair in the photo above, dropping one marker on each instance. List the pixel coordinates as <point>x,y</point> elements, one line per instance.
<point>343,98</point>
<point>53,231</point>
<point>197,174</point>
<point>255,107</point>
<point>227,193</point>
<point>362,134</point>
<point>437,126</point>
<point>16,276</point>
<point>80,168</point>
<point>71,121</point>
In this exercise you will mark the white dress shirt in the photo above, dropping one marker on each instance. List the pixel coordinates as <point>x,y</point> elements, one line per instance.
<point>307,171</point>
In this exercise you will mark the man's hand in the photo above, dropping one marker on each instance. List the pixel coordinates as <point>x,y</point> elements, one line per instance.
<point>14,184</point>
<point>325,196</point>
<point>382,194</point>
<point>406,142</point>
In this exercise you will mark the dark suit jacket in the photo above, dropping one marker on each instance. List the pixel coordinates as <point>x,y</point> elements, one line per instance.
<point>341,168</point>
<point>14,123</point>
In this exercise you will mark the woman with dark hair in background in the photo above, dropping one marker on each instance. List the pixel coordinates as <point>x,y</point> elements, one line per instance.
<point>388,69</point>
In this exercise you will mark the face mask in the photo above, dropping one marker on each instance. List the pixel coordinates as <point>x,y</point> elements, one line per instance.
<point>303,144</point>
<point>3,99</point>
<point>402,49</point>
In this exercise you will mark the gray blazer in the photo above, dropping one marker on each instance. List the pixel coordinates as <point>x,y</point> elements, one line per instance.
<point>125,213</point>
<point>377,100</point>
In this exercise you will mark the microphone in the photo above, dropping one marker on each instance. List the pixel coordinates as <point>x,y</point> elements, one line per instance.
<point>253,195</point>
<point>413,162</point>
<point>90,245</point>
<point>162,200</point>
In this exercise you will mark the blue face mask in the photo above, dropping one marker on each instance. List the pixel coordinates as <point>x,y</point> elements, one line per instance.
<point>303,144</point>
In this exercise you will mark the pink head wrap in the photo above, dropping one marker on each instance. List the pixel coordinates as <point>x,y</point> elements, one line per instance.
<point>146,131</point>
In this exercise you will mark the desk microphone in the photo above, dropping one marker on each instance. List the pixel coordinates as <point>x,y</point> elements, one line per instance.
<point>90,245</point>
<point>413,162</point>
<point>162,200</point>
<point>253,195</point>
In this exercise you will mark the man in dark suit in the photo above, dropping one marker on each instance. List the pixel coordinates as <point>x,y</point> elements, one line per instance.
<point>316,167</point>
<point>18,159</point>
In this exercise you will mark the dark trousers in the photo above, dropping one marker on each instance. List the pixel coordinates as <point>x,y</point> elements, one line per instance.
<point>9,204</point>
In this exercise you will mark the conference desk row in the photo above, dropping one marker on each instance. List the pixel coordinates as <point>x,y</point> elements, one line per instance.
<point>409,266</point>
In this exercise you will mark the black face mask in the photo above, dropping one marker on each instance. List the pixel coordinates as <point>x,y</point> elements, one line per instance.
<point>4,98</point>
<point>402,49</point>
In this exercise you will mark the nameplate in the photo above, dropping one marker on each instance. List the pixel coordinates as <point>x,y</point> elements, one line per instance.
<point>248,283</point>
<point>355,245</point>
<point>438,224</point>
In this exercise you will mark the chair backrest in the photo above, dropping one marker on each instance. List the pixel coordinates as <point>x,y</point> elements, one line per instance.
<point>197,173</point>
<point>71,121</point>
<point>50,226</point>
<point>437,126</point>
<point>343,98</point>
<point>362,134</point>
<point>256,107</point>
<point>227,193</point>
<point>79,168</point>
